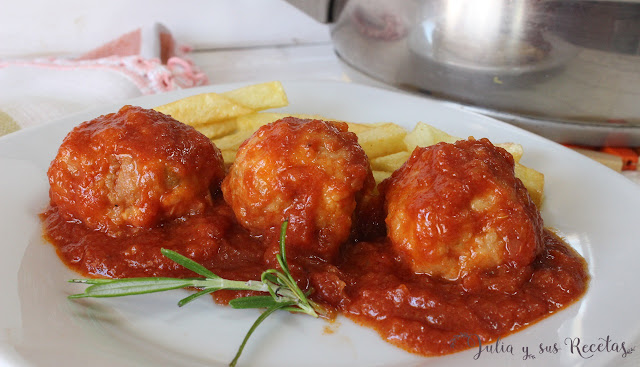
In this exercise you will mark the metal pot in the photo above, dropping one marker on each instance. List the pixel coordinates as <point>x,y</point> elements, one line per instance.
<point>566,69</point>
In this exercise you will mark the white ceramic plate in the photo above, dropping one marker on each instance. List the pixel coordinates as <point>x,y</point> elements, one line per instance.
<point>594,208</point>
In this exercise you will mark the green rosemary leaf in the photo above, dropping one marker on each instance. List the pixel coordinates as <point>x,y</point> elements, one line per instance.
<point>91,281</point>
<point>282,255</point>
<point>296,309</point>
<point>253,302</point>
<point>133,286</point>
<point>193,296</point>
<point>258,321</point>
<point>189,264</point>
<point>270,276</point>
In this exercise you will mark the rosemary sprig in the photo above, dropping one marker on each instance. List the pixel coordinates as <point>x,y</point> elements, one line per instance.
<point>284,293</point>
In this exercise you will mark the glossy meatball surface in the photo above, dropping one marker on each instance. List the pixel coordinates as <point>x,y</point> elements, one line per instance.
<point>457,209</point>
<point>133,169</point>
<point>311,172</point>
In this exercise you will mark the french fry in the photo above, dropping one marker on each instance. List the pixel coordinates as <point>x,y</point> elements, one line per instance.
<point>516,150</point>
<point>217,129</point>
<point>391,162</point>
<point>254,121</point>
<point>383,139</point>
<point>379,176</point>
<point>232,141</point>
<point>229,156</point>
<point>201,109</point>
<point>533,181</point>
<point>424,135</point>
<point>259,97</point>
<point>358,128</point>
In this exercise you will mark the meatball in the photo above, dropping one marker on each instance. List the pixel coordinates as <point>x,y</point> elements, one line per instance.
<point>133,169</point>
<point>311,172</point>
<point>457,209</point>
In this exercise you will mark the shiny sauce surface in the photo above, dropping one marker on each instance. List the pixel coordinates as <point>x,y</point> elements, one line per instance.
<point>368,282</point>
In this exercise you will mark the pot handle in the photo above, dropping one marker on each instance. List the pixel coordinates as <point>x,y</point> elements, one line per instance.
<point>324,11</point>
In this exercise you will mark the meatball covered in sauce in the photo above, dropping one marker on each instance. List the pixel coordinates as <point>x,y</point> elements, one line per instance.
<point>133,169</point>
<point>312,172</point>
<point>457,209</point>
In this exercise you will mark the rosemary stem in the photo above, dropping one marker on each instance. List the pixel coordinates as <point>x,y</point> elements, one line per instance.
<point>284,292</point>
<point>256,323</point>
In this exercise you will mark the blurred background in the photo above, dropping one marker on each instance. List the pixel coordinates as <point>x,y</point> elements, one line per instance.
<point>61,27</point>
<point>566,70</point>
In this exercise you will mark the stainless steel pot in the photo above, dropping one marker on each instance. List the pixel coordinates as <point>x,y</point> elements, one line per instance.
<point>566,69</point>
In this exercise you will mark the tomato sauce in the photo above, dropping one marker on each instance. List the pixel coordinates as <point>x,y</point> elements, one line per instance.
<point>368,282</point>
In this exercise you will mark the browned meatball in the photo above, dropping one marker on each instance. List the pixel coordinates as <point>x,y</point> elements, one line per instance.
<point>312,172</point>
<point>457,209</point>
<point>134,168</point>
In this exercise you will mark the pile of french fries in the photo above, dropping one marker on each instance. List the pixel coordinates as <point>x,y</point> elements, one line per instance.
<point>231,117</point>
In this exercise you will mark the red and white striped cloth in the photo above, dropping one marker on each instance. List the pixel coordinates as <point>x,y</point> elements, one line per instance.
<point>144,61</point>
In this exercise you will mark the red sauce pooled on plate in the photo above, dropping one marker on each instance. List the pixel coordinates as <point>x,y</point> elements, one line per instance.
<point>368,281</point>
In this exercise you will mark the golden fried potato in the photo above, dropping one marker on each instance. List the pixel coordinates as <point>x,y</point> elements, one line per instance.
<point>516,150</point>
<point>391,162</point>
<point>254,121</point>
<point>228,156</point>
<point>232,141</point>
<point>217,129</point>
<point>424,135</point>
<point>533,181</point>
<point>382,139</point>
<point>202,109</point>
<point>206,108</point>
<point>358,127</point>
<point>259,97</point>
<point>380,176</point>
